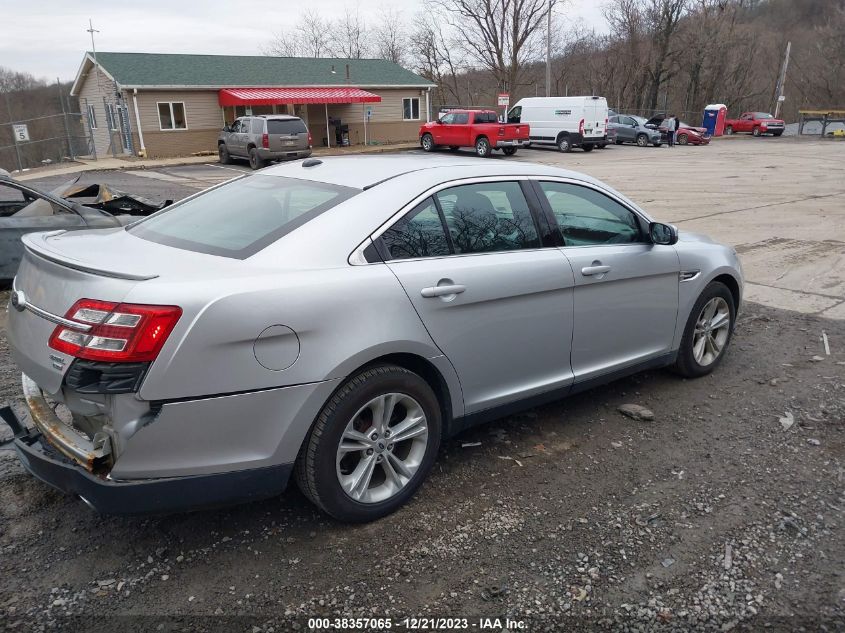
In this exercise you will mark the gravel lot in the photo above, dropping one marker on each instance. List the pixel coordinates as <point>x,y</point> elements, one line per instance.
<point>714,516</point>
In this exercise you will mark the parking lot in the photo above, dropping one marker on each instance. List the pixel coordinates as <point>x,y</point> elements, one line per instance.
<point>716,515</point>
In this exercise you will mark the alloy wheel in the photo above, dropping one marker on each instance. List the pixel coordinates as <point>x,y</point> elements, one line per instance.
<point>382,447</point>
<point>712,329</point>
<point>482,148</point>
<point>427,143</point>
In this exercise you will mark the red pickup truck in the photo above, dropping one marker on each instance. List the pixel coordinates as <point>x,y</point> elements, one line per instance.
<point>474,128</point>
<point>758,123</point>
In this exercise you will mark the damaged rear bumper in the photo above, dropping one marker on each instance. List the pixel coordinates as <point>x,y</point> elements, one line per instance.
<point>40,455</point>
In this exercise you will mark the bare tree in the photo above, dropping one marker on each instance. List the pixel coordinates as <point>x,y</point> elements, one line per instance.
<point>433,52</point>
<point>390,36</point>
<point>309,38</point>
<point>663,18</point>
<point>501,36</point>
<point>349,36</point>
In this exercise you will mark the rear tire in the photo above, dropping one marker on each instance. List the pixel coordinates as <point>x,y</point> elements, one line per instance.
<point>509,151</point>
<point>588,148</point>
<point>427,143</point>
<point>255,161</point>
<point>482,147</point>
<point>563,143</point>
<point>729,130</point>
<point>642,140</point>
<point>223,153</point>
<point>689,364</point>
<point>350,418</point>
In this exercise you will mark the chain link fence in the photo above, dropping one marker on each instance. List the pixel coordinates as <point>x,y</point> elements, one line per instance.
<point>690,117</point>
<point>43,140</point>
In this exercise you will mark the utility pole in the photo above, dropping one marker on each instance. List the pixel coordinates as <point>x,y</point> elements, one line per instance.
<point>549,50</point>
<point>782,80</point>
<point>92,30</point>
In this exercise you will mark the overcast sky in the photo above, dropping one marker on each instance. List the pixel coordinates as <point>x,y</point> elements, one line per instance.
<point>48,37</point>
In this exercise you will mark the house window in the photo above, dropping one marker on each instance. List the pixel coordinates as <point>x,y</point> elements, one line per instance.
<point>92,117</point>
<point>171,115</point>
<point>111,117</point>
<point>411,109</point>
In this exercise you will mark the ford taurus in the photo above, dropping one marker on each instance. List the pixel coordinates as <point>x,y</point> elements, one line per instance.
<point>336,320</point>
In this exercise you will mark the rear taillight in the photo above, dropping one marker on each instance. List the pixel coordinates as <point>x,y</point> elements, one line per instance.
<point>265,141</point>
<point>501,131</point>
<point>581,127</point>
<point>122,332</point>
<point>310,143</point>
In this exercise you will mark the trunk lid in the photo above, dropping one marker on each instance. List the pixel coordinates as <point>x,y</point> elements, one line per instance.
<point>59,268</point>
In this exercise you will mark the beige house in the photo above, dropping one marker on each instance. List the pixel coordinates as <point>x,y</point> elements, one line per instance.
<point>162,105</point>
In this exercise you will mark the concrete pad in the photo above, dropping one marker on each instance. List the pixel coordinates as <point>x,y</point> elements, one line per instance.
<point>788,299</point>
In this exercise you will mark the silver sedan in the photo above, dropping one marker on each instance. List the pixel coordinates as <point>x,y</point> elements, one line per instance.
<point>338,319</point>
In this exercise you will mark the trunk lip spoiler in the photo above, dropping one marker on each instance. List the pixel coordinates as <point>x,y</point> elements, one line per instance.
<point>71,444</point>
<point>41,250</point>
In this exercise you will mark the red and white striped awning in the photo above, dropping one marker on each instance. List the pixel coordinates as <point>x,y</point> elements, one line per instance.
<point>270,96</point>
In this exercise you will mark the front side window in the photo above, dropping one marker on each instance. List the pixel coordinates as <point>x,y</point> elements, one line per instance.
<point>488,217</point>
<point>92,117</point>
<point>447,118</point>
<point>460,118</point>
<point>411,108</point>
<point>419,233</point>
<point>242,217</point>
<point>515,114</point>
<point>587,217</point>
<point>171,115</point>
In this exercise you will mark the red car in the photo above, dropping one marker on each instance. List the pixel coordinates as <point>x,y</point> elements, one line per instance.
<point>474,128</point>
<point>685,135</point>
<point>758,123</point>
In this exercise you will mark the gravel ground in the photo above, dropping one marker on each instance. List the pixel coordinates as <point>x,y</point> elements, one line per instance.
<point>571,516</point>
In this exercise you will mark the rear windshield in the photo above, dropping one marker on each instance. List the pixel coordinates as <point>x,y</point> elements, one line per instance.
<point>286,126</point>
<point>242,217</point>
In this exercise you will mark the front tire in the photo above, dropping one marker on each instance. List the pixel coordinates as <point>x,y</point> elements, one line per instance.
<point>372,445</point>
<point>223,153</point>
<point>427,142</point>
<point>756,131</point>
<point>708,332</point>
<point>482,147</point>
<point>642,140</point>
<point>563,144</point>
<point>683,139</point>
<point>729,130</point>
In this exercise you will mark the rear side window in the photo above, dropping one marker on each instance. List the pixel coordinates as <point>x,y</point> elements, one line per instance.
<point>240,218</point>
<point>485,117</point>
<point>419,234</point>
<point>286,126</point>
<point>587,217</point>
<point>257,126</point>
<point>488,217</point>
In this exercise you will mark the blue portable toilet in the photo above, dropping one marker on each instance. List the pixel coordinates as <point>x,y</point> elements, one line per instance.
<point>714,119</point>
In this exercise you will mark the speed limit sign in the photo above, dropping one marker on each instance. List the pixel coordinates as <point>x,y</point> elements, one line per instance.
<point>21,132</point>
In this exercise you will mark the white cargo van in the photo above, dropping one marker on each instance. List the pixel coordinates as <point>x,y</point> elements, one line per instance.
<point>564,121</point>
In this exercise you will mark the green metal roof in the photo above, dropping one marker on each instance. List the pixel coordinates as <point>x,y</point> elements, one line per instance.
<point>232,71</point>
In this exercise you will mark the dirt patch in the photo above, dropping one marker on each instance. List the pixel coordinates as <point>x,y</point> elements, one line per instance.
<point>710,517</point>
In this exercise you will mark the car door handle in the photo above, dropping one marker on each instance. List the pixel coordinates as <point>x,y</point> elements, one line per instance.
<point>594,270</point>
<point>441,291</point>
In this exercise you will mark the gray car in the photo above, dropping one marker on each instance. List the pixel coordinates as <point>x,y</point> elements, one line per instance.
<point>263,139</point>
<point>338,320</point>
<point>632,129</point>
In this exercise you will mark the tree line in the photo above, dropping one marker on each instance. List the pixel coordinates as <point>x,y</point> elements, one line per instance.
<point>653,54</point>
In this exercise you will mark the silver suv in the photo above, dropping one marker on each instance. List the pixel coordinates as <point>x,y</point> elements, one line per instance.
<point>265,138</point>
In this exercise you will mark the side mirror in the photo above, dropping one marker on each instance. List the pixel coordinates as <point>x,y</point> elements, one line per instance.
<point>226,128</point>
<point>664,234</point>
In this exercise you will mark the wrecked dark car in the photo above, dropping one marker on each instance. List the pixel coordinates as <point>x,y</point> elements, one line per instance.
<point>25,209</point>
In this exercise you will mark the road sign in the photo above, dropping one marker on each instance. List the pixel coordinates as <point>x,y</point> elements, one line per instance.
<point>21,132</point>
<point>781,98</point>
<point>504,99</point>
<point>369,112</point>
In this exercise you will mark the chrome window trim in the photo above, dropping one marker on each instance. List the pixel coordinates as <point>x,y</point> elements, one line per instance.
<point>356,257</point>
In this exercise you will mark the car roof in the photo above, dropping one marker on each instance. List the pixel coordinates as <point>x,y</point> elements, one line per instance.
<point>281,117</point>
<point>366,172</point>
